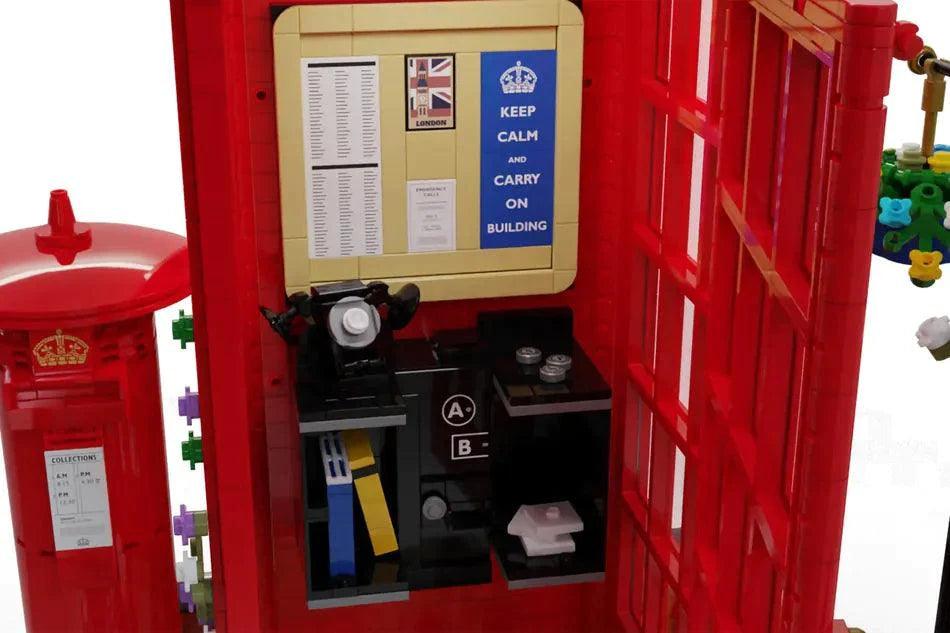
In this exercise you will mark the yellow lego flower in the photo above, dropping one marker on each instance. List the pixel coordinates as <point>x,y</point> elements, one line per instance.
<point>925,267</point>
<point>940,162</point>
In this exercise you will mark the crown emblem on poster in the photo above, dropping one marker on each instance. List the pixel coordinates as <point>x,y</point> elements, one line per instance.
<point>61,350</point>
<point>518,80</point>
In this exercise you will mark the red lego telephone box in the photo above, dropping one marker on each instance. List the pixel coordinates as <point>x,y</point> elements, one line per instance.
<point>728,220</point>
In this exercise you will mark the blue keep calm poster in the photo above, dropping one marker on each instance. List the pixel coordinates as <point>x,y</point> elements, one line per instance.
<point>519,104</point>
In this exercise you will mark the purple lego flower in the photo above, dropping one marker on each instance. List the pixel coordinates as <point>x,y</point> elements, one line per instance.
<point>188,405</point>
<point>185,598</point>
<point>183,524</point>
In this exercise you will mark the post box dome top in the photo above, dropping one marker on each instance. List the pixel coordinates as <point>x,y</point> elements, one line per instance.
<point>69,274</point>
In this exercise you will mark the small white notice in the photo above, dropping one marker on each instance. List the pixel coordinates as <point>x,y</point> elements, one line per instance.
<point>342,155</point>
<point>431,208</point>
<point>79,498</point>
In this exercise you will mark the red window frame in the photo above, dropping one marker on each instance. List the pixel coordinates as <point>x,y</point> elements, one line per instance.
<point>791,134</point>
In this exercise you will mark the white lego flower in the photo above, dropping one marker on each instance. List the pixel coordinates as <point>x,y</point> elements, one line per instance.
<point>908,147</point>
<point>186,571</point>
<point>934,332</point>
<point>946,220</point>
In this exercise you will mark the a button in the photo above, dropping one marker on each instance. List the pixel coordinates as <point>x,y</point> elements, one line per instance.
<point>434,508</point>
<point>552,374</point>
<point>560,360</point>
<point>355,321</point>
<point>528,356</point>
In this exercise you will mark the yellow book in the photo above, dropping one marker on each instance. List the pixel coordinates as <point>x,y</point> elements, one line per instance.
<point>369,490</point>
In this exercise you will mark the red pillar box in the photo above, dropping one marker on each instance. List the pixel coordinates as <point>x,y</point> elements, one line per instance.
<point>81,421</point>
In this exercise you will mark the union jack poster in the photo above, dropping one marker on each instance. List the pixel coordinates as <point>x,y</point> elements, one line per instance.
<point>430,92</point>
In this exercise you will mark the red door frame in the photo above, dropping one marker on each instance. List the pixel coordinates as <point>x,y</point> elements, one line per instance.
<point>792,133</point>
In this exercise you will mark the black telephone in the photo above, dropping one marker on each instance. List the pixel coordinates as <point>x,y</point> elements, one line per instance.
<point>345,323</point>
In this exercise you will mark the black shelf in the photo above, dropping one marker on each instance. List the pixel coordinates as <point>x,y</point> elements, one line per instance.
<point>380,579</point>
<point>550,443</point>
<point>377,579</point>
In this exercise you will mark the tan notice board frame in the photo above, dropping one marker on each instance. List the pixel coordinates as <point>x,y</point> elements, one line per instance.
<point>465,29</point>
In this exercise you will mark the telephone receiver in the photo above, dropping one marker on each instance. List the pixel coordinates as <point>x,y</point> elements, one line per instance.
<point>403,306</point>
<point>300,305</point>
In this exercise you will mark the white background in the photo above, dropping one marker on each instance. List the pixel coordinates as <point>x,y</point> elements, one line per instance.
<point>87,103</point>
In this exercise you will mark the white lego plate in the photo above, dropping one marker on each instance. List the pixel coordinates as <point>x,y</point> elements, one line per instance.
<point>562,544</point>
<point>545,522</point>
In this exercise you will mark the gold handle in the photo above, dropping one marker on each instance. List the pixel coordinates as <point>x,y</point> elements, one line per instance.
<point>935,92</point>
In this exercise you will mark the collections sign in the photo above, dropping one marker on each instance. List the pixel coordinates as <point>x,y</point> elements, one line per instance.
<point>519,104</point>
<point>78,498</point>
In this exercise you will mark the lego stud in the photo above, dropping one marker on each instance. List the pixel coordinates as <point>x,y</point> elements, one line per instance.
<point>528,356</point>
<point>552,374</point>
<point>355,321</point>
<point>553,513</point>
<point>563,361</point>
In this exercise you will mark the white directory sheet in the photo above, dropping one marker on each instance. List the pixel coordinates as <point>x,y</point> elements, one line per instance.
<point>79,498</point>
<point>342,156</point>
<point>431,207</point>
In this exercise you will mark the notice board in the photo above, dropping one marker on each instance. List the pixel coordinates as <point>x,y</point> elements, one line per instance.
<point>431,142</point>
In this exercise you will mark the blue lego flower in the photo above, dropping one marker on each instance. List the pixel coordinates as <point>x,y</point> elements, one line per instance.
<point>895,212</point>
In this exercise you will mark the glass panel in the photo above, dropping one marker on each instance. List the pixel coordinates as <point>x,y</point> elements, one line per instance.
<point>679,484</point>
<point>695,198</point>
<point>686,355</point>
<point>705,37</point>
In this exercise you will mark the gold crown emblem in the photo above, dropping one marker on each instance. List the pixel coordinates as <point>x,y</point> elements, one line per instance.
<point>61,350</point>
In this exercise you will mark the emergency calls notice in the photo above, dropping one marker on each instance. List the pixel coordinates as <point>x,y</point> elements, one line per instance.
<point>342,154</point>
